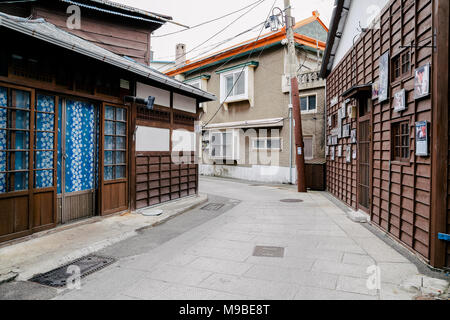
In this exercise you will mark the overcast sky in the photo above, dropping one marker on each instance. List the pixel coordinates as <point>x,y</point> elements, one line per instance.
<point>192,12</point>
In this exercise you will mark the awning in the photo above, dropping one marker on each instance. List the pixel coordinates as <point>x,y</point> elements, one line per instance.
<point>263,123</point>
<point>357,90</point>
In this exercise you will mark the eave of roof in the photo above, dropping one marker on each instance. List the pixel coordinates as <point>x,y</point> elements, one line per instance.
<point>42,30</point>
<point>268,39</point>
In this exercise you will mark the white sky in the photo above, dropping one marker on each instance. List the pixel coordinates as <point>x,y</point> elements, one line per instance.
<point>192,12</point>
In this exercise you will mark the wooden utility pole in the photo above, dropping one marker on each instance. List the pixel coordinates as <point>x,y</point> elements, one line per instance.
<point>292,65</point>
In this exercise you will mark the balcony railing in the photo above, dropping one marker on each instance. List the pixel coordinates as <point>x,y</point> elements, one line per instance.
<point>309,78</point>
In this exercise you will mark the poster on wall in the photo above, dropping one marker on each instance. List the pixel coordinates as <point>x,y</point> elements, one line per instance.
<point>400,101</point>
<point>353,136</point>
<point>346,131</point>
<point>422,82</point>
<point>339,152</point>
<point>332,153</point>
<point>422,139</point>
<point>348,153</point>
<point>383,93</point>
<point>334,140</point>
<point>354,154</point>
<point>327,151</point>
<point>375,89</point>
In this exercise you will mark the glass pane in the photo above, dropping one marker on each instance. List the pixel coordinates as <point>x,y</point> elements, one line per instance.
<point>2,161</point>
<point>3,97</point>
<point>18,161</point>
<point>21,121</point>
<point>121,114</point>
<point>304,104</point>
<point>2,182</point>
<point>240,83</point>
<point>3,118</point>
<point>109,157</point>
<point>109,127</point>
<point>45,122</point>
<point>44,160</point>
<point>21,99</point>
<point>229,84</point>
<point>275,144</point>
<point>44,179</point>
<point>108,173</point>
<point>21,140</point>
<point>44,140</point>
<point>312,102</point>
<point>109,113</point>
<point>120,143</point>
<point>120,172</point>
<point>121,128</point>
<point>120,157</point>
<point>45,103</point>
<point>109,143</point>
<point>19,181</point>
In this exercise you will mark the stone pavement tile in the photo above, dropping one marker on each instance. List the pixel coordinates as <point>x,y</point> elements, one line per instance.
<point>355,285</point>
<point>286,262</point>
<point>397,273</point>
<point>313,253</point>
<point>181,260</point>
<point>291,275</point>
<point>276,240</point>
<point>228,244</point>
<point>220,266</point>
<point>180,292</point>
<point>238,255</point>
<point>394,292</point>
<point>250,287</point>
<point>308,293</point>
<point>354,248</point>
<point>236,236</point>
<point>335,233</point>
<point>345,269</point>
<point>230,296</point>
<point>380,251</point>
<point>179,275</point>
<point>147,289</point>
<point>358,259</point>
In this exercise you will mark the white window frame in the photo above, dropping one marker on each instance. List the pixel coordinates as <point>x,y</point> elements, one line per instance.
<point>234,154</point>
<point>192,82</point>
<point>312,147</point>
<point>307,96</point>
<point>255,148</point>
<point>223,90</point>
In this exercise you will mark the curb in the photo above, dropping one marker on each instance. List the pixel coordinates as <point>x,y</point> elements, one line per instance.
<point>9,277</point>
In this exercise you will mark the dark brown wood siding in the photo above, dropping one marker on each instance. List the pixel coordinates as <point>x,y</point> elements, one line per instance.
<point>160,179</point>
<point>400,194</point>
<point>123,39</point>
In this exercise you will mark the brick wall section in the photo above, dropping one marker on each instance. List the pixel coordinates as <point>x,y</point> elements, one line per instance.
<point>402,207</point>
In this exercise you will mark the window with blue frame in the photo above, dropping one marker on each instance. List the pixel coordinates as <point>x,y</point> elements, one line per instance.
<point>115,145</point>
<point>15,115</point>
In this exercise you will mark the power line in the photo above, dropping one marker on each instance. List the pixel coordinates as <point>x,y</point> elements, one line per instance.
<point>207,22</point>
<point>217,33</point>
<point>243,68</point>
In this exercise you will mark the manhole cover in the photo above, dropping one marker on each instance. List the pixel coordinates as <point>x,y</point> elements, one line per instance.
<point>291,200</point>
<point>270,252</point>
<point>213,207</point>
<point>87,265</point>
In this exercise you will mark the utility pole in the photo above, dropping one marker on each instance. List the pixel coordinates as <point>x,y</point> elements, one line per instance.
<point>295,100</point>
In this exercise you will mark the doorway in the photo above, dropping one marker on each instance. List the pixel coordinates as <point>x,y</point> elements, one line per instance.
<point>78,130</point>
<point>364,140</point>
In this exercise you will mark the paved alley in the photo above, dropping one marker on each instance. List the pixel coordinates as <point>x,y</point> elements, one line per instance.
<point>326,255</point>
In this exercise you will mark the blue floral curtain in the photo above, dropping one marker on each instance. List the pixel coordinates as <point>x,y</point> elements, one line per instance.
<point>81,149</point>
<point>45,125</point>
<point>3,117</point>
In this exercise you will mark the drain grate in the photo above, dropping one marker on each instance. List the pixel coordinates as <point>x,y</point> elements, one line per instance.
<point>213,207</point>
<point>270,252</point>
<point>58,277</point>
<point>291,200</point>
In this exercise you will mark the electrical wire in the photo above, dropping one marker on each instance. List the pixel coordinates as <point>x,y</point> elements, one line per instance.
<point>243,68</point>
<point>207,22</point>
<point>217,33</point>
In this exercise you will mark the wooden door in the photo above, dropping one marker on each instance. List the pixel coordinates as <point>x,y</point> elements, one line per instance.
<point>114,173</point>
<point>77,160</point>
<point>364,145</point>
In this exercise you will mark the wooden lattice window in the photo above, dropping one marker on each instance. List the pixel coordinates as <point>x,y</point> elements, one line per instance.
<point>401,65</point>
<point>115,158</point>
<point>400,141</point>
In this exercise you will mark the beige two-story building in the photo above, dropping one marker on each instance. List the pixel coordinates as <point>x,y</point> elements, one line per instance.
<point>248,132</point>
